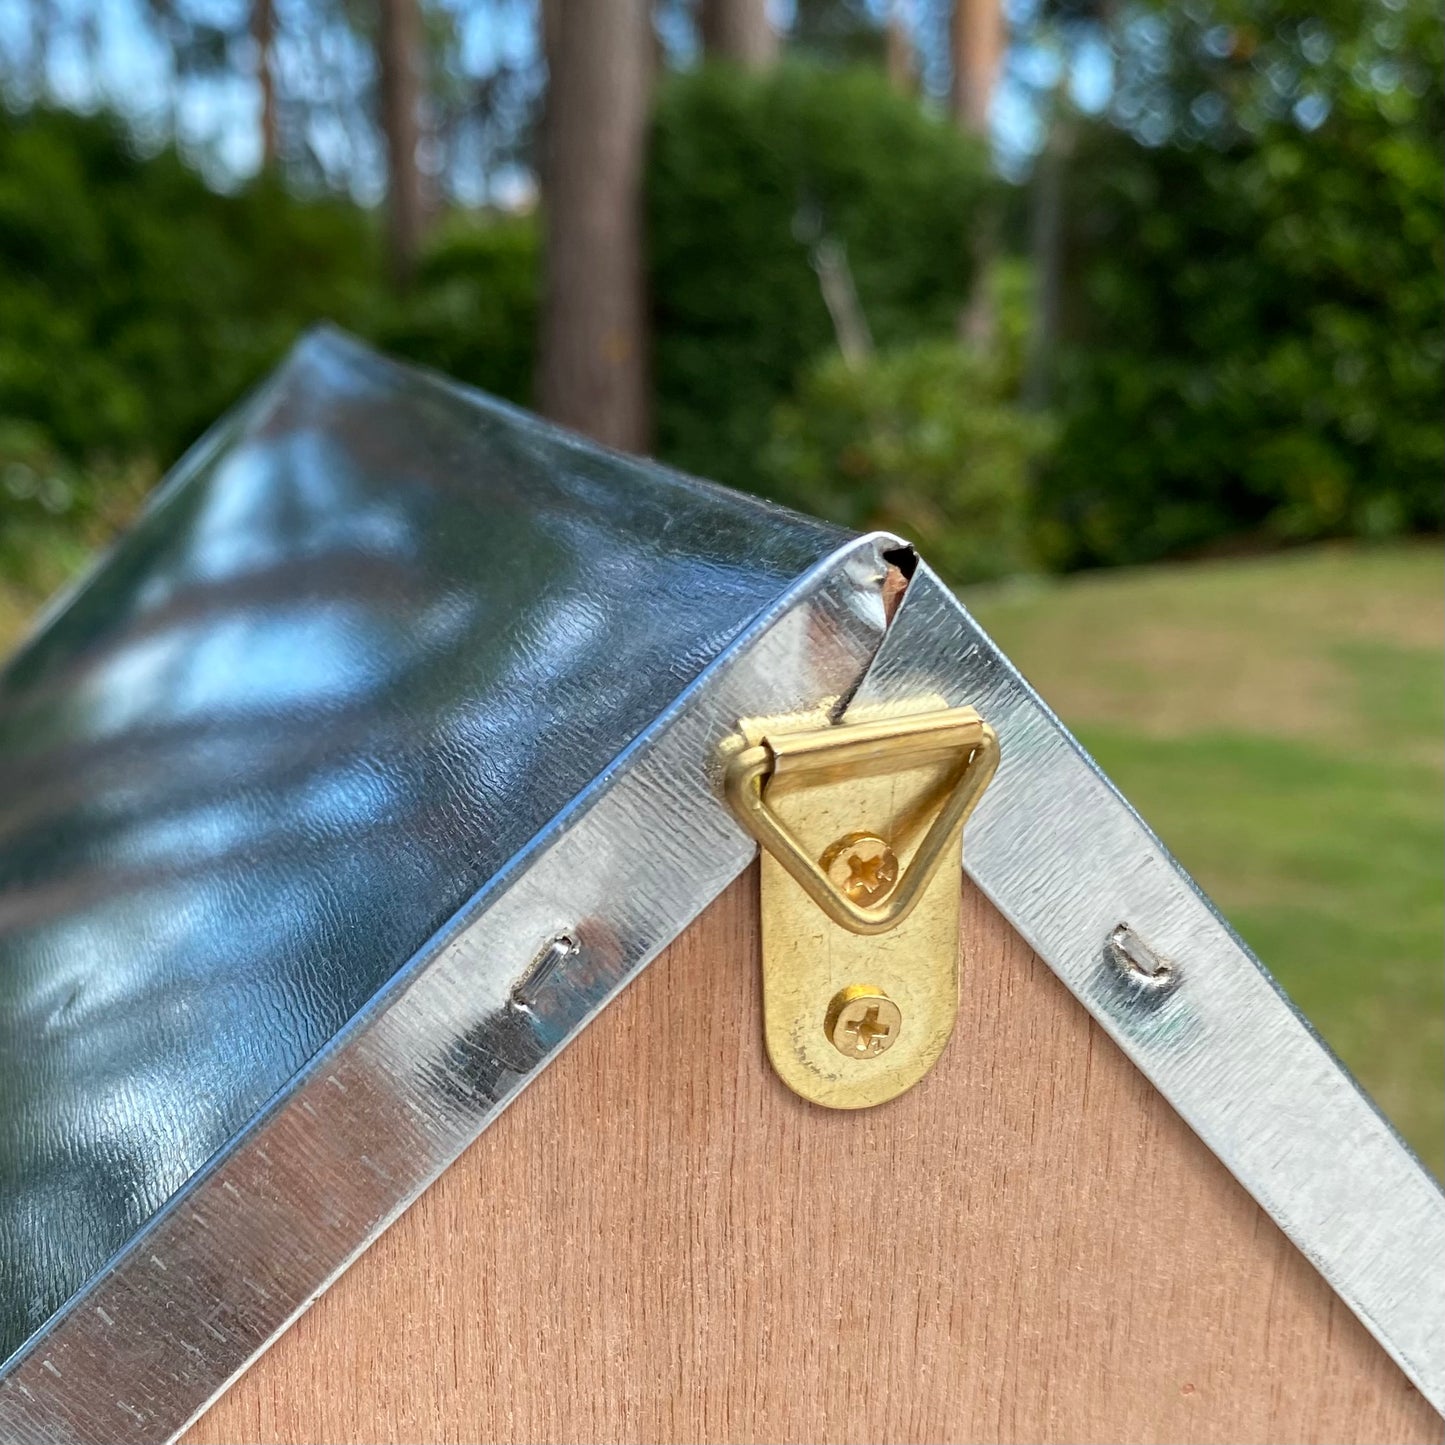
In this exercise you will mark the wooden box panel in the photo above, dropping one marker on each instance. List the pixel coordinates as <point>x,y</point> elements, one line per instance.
<point>660,1242</point>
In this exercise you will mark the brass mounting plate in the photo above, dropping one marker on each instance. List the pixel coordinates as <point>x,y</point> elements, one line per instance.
<point>900,784</point>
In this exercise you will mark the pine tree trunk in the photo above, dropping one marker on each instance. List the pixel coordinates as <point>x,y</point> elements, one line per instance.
<point>1047,224</point>
<point>738,30</point>
<point>976,38</point>
<point>898,55</point>
<point>263,32</point>
<point>400,61</point>
<point>592,364</point>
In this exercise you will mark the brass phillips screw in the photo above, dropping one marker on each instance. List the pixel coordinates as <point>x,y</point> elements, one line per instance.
<point>863,866</point>
<point>862,1022</point>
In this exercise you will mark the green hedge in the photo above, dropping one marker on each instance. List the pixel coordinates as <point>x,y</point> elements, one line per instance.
<point>737,310</point>
<point>136,305</point>
<point>135,302</point>
<point>1255,344</point>
<point>473,312</point>
<point>922,441</point>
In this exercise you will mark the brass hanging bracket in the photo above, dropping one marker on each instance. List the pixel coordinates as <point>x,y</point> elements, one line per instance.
<point>860,826</point>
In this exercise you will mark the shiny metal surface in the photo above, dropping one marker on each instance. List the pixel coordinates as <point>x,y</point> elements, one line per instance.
<point>373,637</point>
<point>1076,871</point>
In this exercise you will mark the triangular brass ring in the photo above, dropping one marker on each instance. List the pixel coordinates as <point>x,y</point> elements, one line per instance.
<point>889,745</point>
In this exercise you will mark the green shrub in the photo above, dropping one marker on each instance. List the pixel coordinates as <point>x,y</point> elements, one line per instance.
<point>1254,344</point>
<point>53,513</point>
<point>921,441</point>
<point>473,311</point>
<point>740,168</point>
<point>136,304</point>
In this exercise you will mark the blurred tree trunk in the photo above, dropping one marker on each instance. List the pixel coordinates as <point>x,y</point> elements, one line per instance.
<point>977,37</point>
<point>400,62</point>
<point>976,40</point>
<point>263,32</point>
<point>738,30</point>
<point>592,370</point>
<point>899,56</point>
<point>1046,242</point>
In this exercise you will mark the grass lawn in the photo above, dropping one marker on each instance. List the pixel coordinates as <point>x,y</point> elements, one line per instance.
<point>1279,723</point>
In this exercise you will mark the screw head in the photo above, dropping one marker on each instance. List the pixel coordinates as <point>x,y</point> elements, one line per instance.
<point>862,1022</point>
<point>862,866</point>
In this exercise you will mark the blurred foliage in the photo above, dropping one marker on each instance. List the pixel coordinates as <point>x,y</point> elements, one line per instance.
<point>837,32</point>
<point>53,513</point>
<point>924,440</point>
<point>1250,341</point>
<point>473,311</point>
<point>746,174</point>
<point>135,302</point>
<point>1253,341</point>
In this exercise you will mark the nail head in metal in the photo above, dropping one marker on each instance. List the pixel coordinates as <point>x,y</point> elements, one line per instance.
<point>862,1022</point>
<point>555,951</point>
<point>1137,961</point>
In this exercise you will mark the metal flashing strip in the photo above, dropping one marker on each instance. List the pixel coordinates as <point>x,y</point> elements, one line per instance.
<point>1082,878</point>
<point>247,1245</point>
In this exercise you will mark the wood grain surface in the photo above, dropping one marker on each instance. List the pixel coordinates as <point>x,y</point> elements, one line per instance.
<point>658,1242</point>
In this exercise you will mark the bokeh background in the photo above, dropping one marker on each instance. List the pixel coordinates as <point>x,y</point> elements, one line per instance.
<point>1129,313</point>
